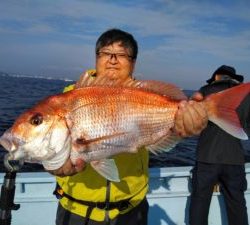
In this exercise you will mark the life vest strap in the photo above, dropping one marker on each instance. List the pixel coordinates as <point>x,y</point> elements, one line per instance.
<point>120,205</point>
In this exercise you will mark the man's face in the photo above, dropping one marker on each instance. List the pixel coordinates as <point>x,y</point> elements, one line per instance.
<point>222,77</point>
<point>115,61</point>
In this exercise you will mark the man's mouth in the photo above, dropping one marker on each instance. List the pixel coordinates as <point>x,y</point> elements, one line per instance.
<point>112,68</point>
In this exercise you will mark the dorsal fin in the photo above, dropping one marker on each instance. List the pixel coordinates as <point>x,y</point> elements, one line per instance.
<point>107,81</point>
<point>153,86</point>
<point>163,88</point>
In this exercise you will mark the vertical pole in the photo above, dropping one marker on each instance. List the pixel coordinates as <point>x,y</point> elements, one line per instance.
<point>7,198</point>
<point>8,190</point>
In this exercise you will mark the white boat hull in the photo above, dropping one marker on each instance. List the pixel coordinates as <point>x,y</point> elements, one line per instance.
<point>168,197</point>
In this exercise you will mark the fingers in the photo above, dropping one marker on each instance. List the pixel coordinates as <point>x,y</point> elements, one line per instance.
<point>179,121</point>
<point>81,80</point>
<point>191,118</point>
<point>188,119</point>
<point>199,117</point>
<point>68,169</point>
<point>197,96</point>
<point>80,165</point>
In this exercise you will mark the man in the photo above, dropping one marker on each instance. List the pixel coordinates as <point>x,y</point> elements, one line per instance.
<point>220,159</point>
<point>86,197</point>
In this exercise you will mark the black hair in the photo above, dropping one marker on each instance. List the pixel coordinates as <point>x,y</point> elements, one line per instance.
<point>116,35</point>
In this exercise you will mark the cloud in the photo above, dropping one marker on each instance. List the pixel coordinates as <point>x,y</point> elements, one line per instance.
<point>177,37</point>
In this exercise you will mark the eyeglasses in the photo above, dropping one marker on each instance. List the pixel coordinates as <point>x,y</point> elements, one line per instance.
<point>109,55</point>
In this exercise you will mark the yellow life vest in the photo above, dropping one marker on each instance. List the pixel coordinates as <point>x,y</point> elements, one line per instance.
<point>88,185</point>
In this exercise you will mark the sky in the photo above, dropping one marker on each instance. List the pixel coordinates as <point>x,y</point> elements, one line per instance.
<point>180,41</point>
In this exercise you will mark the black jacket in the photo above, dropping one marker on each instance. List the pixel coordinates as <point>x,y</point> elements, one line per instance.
<point>214,144</point>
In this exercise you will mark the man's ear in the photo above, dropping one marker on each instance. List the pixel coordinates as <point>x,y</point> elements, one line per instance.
<point>133,65</point>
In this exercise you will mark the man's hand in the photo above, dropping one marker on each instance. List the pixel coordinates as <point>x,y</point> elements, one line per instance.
<point>191,117</point>
<point>68,169</point>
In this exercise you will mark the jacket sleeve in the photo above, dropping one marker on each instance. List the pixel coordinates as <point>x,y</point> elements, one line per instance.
<point>69,88</point>
<point>90,72</point>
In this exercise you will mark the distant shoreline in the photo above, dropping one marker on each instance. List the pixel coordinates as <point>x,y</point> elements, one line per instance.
<point>35,77</point>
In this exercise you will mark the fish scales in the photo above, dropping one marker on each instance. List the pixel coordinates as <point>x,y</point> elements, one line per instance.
<point>133,115</point>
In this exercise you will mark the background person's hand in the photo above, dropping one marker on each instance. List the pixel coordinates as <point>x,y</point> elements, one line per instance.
<point>191,117</point>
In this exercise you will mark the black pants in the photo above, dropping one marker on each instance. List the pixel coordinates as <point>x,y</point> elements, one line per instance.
<point>232,180</point>
<point>136,216</point>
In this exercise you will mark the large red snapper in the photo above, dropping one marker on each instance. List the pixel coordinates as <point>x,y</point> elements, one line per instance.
<point>102,118</point>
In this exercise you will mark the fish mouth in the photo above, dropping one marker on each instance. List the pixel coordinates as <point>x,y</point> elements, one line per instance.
<point>12,145</point>
<point>15,155</point>
<point>7,143</point>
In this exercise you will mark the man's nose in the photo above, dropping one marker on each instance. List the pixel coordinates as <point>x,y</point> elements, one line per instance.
<point>113,58</point>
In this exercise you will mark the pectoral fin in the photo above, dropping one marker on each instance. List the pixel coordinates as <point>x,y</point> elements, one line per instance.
<point>107,168</point>
<point>165,144</point>
<point>84,141</point>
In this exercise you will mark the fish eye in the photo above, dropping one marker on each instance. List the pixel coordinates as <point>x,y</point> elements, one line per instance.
<point>37,119</point>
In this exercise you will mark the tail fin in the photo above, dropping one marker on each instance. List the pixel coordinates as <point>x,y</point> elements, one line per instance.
<point>222,107</point>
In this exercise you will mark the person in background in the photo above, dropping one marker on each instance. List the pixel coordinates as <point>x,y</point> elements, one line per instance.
<point>85,196</point>
<point>220,159</point>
